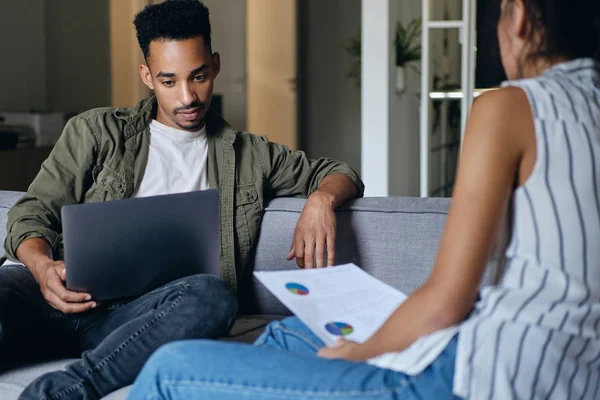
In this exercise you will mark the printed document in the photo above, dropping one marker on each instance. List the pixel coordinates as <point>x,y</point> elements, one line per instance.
<point>338,302</point>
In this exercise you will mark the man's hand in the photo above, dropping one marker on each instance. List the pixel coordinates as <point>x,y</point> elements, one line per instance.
<point>36,254</point>
<point>345,349</point>
<point>51,275</point>
<point>315,232</point>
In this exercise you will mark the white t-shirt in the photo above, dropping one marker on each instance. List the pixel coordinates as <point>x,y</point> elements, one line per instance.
<point>177,161</point>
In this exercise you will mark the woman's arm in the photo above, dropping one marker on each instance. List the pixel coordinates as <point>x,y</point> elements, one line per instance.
<point>499,133</point>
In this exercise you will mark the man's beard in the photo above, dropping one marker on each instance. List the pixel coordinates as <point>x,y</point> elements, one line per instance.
<point>193,126</point>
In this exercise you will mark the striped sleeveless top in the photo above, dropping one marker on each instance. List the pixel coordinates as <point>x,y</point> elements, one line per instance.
<point>536,333</point>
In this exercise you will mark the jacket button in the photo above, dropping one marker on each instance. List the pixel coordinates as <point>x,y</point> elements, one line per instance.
<point>120,186</point>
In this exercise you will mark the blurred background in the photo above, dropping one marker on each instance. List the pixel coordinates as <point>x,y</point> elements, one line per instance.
<point>302,72</point>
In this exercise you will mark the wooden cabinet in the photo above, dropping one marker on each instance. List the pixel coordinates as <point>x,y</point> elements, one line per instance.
<point>19,167</point>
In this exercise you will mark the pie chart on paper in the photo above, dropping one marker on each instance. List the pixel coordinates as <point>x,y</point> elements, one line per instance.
<point>339,328</point>
<point>297,288</point>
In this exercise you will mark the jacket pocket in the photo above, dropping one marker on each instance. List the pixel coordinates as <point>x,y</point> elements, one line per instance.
<point>247,218</point>
<point>110,184</point>
<point>245,194</point>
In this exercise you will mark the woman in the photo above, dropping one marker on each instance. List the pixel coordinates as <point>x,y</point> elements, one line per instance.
<point>532,148</point>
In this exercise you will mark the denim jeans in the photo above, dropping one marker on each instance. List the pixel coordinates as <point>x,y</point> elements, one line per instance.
<point>113,340</point>
<point>281,365</point>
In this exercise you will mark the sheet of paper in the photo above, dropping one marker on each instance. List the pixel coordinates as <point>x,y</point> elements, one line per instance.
<point>342,301</point>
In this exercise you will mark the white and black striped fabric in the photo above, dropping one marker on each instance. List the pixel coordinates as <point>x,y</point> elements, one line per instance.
<point>536,334</point>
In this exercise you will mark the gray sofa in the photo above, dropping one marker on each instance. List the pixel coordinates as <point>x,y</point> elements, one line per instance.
<point>394,239</point>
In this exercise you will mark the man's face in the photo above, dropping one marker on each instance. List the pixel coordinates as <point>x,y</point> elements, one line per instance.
<point>182,75</point>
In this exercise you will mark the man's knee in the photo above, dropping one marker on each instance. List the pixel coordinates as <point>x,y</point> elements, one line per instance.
<point>212,293</point>
<point>17,288</point>
<point>214,289</point>
<point>17,281</point>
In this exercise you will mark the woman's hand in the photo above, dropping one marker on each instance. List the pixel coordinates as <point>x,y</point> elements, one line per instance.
<point>345,349</point>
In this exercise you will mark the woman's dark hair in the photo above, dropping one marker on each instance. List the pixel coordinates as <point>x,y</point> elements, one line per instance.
<point>564,28</point>
<point>172,20</point>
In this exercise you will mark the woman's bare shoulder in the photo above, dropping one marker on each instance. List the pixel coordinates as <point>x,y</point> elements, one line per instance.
<point>505,115</point>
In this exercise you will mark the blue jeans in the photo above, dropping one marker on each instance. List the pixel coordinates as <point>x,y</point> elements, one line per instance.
<point>114,340</point>
<point>281,365</point>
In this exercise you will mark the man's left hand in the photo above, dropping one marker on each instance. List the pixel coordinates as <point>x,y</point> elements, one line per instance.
<point>315,232</point>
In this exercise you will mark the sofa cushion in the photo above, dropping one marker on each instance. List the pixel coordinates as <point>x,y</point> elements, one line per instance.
<point>13,382</point>
<point>394,239</point>
<point>7,199</point>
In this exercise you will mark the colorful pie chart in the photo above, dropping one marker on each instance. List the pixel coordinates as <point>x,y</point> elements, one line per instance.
<point>339,328</point>
<point>297,288</point>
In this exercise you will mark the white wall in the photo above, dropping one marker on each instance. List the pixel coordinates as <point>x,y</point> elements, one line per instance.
<point>395,128</point>
<point>330,103</point>
<point>22,55</point>
<point>77,55</point>
<point>228,23</point>
<point>404,139</point>
<point>54,55</point>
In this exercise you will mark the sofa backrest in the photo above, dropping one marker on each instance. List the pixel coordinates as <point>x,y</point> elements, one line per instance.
<point>7,199</point>
<point>394,239</point>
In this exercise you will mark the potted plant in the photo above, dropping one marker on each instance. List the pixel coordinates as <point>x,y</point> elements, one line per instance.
<point>353,48</point>
<point>406,44</point>
<point>408,48</point>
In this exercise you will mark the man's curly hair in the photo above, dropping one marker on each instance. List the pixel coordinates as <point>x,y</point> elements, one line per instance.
<point>172,20</point>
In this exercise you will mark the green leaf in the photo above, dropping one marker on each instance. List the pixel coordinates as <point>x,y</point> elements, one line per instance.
<point>406,42</point>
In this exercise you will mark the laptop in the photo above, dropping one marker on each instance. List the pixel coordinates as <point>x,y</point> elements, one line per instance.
<point>125,248</point>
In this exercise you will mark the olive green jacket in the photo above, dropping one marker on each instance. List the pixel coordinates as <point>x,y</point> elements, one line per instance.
<point>102,155</point>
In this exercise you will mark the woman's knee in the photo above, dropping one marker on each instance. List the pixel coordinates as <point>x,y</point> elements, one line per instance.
<point>173,356</point>
<point>183,356</point>
<point>293,323</point>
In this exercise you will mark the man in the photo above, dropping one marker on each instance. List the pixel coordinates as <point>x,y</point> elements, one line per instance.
<point>168,143</point>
